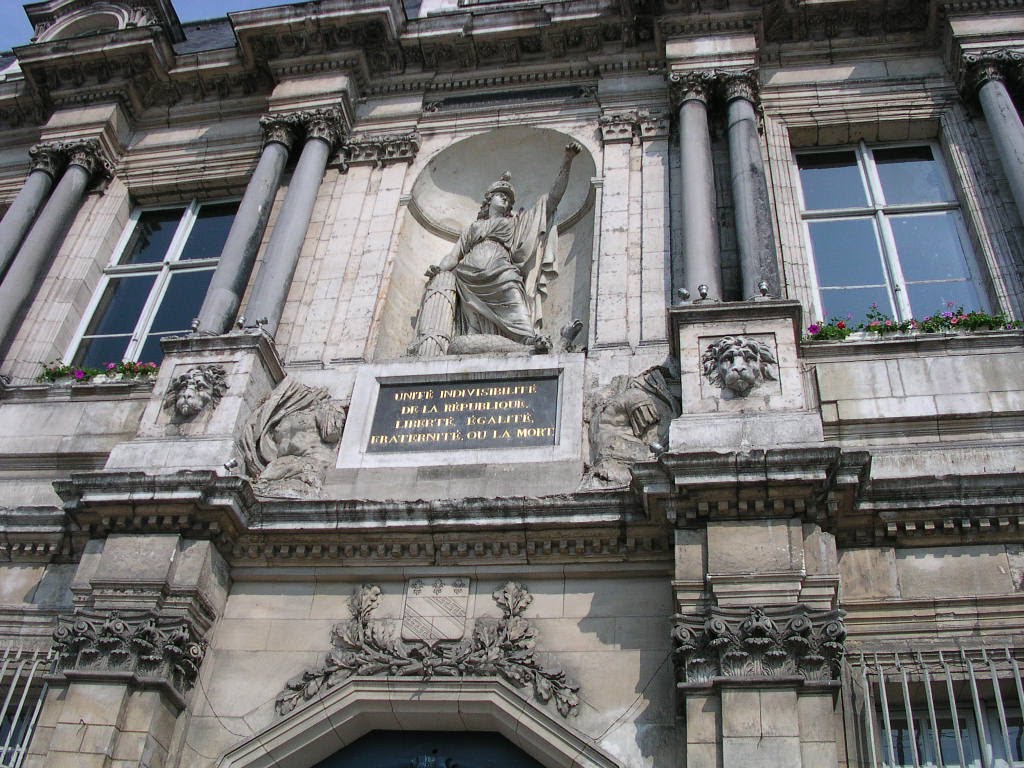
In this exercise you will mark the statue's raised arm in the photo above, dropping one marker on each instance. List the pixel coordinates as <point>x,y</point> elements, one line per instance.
<point>561,180</point>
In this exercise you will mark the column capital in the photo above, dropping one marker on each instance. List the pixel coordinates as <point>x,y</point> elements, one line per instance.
<point>48,157</point>
<point>742,85</point>
<point>653,124</point>
<point>618,127</point>
<point>280,128</point>
<point>692,86</point>
<point>379,151</point>
<point>88,154</point>
<point>138,647</point>
<point>325,123</point>
<point>979,68</point>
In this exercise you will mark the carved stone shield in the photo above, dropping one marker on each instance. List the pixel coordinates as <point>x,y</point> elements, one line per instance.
<point>435,608</point>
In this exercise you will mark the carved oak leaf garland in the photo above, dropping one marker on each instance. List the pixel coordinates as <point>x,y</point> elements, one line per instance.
<point>503,647</point>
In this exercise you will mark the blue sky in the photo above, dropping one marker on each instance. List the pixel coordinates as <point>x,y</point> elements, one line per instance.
<point>15,29</point>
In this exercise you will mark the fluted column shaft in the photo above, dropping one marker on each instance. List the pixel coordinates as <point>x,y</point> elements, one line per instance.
<point>701,257</point>
<point>44,239</point>
<point>754,234</point>
<point>282,255</point>
<point>243,242</point>
<point>1005,125</point>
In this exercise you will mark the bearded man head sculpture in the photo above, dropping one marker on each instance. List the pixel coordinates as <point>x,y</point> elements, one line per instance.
<point>738,364</point>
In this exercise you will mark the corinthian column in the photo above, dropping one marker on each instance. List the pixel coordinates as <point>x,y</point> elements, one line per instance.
<point>84,163</point>
<point>754,233</point>
<point>701,258</point>
<point>243,242</point>
<point>986,75</point>
<point>323,129</point>
<point>47,164</point>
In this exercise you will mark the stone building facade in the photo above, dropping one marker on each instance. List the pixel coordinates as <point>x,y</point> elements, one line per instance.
<point>559,480</point>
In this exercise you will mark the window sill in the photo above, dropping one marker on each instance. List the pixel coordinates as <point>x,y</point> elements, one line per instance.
<point>62,390</point>
<point>900,344</point>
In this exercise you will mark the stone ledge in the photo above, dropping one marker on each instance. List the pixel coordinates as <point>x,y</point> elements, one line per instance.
<point>902,346</point>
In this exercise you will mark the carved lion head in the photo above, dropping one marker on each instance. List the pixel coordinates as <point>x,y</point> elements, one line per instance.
<point>738,364</point>
<point>195,389</point>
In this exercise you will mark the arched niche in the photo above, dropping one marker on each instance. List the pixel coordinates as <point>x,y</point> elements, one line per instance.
<point>446,198</point>
<point>328,724</point>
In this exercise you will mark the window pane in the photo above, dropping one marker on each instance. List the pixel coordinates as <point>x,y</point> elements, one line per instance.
<point>152,237</point>
<point>929,246</point>
<point>95,353</point>
<point>846,253</point>
<point>929,298</point>
<point>852,304</point>
<point>182,301</point>
<point>910,175</point>
<point>831,180</point>
<point>210,231</point>
<point>121,305</point>
<point>151,351</point>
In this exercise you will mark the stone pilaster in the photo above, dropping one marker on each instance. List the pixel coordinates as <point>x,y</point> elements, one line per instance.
<point>702,262</point>
<point>324,129</point>
<point>130,653</point>
<point>85,162</point>
<point>243,242</point>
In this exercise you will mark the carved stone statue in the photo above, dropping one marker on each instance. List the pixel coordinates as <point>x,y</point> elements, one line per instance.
<point>629,422</point>
<point>286,441</point>
<point>496,275</point>
<point>196,389</point>
<point>738,364</point>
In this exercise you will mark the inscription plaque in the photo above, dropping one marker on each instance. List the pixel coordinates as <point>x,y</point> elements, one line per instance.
<point>474,413</point>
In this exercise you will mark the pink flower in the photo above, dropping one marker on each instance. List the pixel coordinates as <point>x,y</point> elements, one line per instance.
<point>888,323</point>
<point>79,374</point>
<point>814,329</point>
<point>111,366</point>
<point>954,320</point>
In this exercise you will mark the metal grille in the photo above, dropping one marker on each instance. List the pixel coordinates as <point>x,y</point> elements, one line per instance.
<point>949,708</point>
<point>22,689</point>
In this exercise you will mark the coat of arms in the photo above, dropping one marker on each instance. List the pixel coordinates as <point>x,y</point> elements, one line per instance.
<point>435,608</point>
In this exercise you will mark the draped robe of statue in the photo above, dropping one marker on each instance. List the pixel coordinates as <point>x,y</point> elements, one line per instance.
<point>504,267</point>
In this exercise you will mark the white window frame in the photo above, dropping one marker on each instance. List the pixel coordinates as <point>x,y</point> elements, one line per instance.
<point>171,264</point>
<point>881,212</point>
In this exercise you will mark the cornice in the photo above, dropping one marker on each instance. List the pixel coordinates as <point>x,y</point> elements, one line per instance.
<point>32,534</point>
<point>929,511</point>
<point>818,484</point>
<point>600,526</point>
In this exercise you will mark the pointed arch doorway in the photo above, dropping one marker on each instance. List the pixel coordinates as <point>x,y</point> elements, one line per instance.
<point>323,727</point>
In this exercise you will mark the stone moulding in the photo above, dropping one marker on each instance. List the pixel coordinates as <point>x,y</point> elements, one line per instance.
<point>152,651</point>
<point>502,648</point>
<point>794,643</point>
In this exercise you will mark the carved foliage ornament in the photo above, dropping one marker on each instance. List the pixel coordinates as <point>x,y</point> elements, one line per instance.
<point>738,364</point>
<point>497,648</point>
<point>733,643</point>
<point>197,388</point>
<point>714,85</point>
<point>140,644</point>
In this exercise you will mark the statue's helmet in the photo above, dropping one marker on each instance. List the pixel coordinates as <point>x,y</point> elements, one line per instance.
<point>503,185</point>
